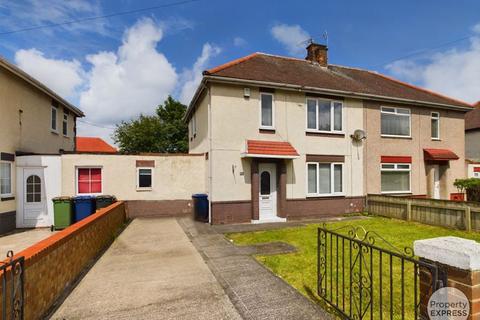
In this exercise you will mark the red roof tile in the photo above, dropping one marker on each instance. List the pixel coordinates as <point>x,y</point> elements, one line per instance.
<point>284,70</point>
<point>439,154</point>
<point>91,144</point>
<point>272,148</point>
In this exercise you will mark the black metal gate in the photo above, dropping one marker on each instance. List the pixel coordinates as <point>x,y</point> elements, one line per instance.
<point>361,279</point>
<point>11,280</point>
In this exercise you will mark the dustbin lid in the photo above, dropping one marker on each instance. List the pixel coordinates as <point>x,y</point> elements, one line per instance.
<point>105,197</point>
<point>199,195</point>
<point>61,198</point>
<point>83,198</point>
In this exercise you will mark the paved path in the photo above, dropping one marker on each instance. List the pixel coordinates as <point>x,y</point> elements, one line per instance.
<point>151,271</point>
<point>255,291</point>
<point>22,239</point>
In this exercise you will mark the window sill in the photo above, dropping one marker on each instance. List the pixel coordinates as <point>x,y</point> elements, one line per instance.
<point>436,139</point>
<point>7,198</point>
<point>397,192</point>
<point>396,137</point>
<point>144,189</point>
<point>325,134</point>
<point>54,131</point>
<point>267,131</point>
<point>323,196</point>
<point>66,136</point>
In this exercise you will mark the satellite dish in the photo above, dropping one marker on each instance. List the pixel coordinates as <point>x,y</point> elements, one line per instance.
<point>358,135</point>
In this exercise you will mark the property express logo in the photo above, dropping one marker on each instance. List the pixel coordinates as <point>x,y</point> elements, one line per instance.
<point>448,304</point>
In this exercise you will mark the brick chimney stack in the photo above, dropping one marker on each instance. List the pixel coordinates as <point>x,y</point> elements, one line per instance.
<point>317,53</point>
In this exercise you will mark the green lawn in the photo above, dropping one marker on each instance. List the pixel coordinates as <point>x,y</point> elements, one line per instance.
<point>300,269</point>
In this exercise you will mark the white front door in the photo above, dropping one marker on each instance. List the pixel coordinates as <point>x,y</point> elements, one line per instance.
<point>268,191</point>
<point>34,200</point>
<point>436,181</point>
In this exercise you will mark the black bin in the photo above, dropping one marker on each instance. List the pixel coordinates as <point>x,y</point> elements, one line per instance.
<point>104,201</point>
<point>200,207</point>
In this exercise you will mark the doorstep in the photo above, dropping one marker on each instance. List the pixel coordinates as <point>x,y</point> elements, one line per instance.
<point>269,220</point>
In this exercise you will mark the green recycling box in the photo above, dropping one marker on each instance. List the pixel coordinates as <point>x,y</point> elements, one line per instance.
<point>62,212</point>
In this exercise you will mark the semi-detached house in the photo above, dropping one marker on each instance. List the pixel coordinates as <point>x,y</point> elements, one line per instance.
<point>287,138</point>
<point>33,120</point>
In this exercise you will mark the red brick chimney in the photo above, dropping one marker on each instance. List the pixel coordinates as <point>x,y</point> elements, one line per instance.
<point>317,53</point>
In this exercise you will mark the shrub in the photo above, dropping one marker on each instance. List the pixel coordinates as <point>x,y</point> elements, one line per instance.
<point>470,186</point>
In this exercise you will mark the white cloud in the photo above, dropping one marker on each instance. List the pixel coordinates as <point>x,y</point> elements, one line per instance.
<point>191,78</point>
<point>291,37</point>
<point>239,42</point>
<point>455,72</point>
<point>133,80</point>
<point>62,76</point>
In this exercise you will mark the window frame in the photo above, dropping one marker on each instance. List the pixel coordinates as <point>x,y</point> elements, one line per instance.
<point>261,126</point>
<point>65,124</point>
<point>332,116</point>
<point>476,175</point>
<point>396,169</point>
<point>8,195</point>
<point>382,108</point>
<point>76,181</point>
<point>332,180</point>
<point>437,118</point>
<point>54,130</point>
<point>138,179</point>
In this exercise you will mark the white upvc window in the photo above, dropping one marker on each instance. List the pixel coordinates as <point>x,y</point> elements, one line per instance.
<point>53,119</point>
<point>435,123</point>
<point>324,115</point>
<point>395,177</point>
<point>5,179</point>
<point>267,111</point>
<point>65,124</point>
<point>193,126</point>
<point>144,178</point>
<point>395,122</point>
<point>324,179</point>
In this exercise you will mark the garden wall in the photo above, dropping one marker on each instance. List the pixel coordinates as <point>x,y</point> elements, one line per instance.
<point>445,213</point>
<point>55,263</point>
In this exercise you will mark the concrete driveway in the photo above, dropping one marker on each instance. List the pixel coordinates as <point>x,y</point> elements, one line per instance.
<point>22,239</point>
<point>151,271</point>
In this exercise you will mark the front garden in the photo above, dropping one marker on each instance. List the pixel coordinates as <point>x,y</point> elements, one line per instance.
<point>299,269</point>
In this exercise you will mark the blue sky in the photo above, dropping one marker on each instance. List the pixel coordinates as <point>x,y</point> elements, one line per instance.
<point>162,51</point>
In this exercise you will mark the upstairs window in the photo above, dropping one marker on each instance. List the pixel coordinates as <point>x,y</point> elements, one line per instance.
<point>5,179</point>
<point>65,124</point>
<point>89,180</point>
<point>395,122</point>
<point>193,126</point>
<point>53,122</point>
<point>324,179</point>
<point>267,111</point>
<point>324,115</point>
<point>435,123</point>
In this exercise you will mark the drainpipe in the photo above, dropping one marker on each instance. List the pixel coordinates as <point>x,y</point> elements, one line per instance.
<point>210,155</point>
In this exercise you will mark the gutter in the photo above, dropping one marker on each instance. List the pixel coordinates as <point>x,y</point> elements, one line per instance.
<point>297,88</point>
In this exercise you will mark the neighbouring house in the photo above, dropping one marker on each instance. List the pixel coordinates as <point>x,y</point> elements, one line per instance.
<point>472,141</point>
<point>289,138</point>
<point>34,120</point>
<point>93,145</point>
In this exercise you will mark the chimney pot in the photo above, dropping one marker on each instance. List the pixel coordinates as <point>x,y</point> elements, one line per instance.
<point>317,53</point>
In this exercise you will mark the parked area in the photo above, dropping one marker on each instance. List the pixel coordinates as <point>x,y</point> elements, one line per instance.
<point>299,269</point>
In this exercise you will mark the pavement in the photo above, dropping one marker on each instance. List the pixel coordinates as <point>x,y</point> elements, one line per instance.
<point>21,239</point>
<point>255,291</point>
<point>151,271</point>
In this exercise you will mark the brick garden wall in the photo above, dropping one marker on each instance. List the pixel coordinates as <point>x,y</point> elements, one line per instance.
<point>53,264</point>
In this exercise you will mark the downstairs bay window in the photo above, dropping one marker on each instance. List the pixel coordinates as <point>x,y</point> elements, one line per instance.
<point>395,178</point>
<point>324,179</point>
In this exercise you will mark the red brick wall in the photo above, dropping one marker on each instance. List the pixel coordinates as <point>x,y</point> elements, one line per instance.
<point>53,264</point>
<point>158,208</point>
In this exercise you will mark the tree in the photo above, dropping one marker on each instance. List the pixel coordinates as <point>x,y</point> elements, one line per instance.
<point>164,132</point>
